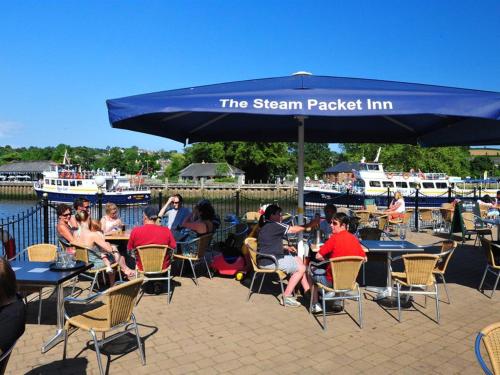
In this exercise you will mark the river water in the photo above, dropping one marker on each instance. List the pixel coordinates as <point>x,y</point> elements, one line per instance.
<point>9,208</point>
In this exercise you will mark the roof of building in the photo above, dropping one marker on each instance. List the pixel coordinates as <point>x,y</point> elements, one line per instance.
<point>343,166</point>
<point>208,170</point>
<point>26,166</point>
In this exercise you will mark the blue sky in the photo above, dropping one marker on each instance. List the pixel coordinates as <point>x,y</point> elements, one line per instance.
<point>60,60</point>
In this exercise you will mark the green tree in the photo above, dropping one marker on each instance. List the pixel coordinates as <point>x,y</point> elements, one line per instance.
<point>177,163</point>
<point>480,164</point>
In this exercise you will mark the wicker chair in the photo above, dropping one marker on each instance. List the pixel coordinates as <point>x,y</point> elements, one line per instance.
<point>472,224</point>
<point>363,218</point>
<point>152,259</point>
<point>418,273</point>
<point>382,222</point>
<point>251,246</point>
<point>43,252</point>
<point>447,250</point>
<point>201,244</point>
<point>345,270</point>
<point>116,312</point>
<point>426,218</point>
<point>82,254</point>
<point>446,219</point>
<point>491,263</point>
<point>490,336</point>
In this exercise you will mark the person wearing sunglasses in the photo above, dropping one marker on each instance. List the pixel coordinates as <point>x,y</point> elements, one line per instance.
<point>270,241</point>
<point>64,229</point>
<point>80,204</point>
<point>174,212</point>
<point>340,244</point>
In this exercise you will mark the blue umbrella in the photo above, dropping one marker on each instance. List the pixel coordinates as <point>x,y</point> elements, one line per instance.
<point>315,108</point>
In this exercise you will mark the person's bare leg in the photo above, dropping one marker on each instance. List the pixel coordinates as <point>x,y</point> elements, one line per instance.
<point>295,278</point>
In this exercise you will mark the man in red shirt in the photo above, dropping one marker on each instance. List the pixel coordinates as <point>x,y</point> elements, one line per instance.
<point>150,234</point>
<point>342,243</point>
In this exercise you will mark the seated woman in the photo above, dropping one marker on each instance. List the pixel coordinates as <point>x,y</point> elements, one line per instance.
<point>111,222</point>
<point>12,308</point>
<point>341,243</point>
<point>64,230</point>
<point>102,254</point>
<point>397,207</point>
<point>270,241</point>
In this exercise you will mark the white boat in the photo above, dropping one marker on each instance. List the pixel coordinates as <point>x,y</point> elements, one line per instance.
<point>372,182</point>
<point>66,182</point>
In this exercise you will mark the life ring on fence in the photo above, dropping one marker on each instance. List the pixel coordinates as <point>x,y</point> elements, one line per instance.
<point>406,175</point>
<point>389,175</point>
<point>9,243</point>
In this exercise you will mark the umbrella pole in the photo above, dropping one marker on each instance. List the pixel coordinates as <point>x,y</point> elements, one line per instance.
<point>300,187</point>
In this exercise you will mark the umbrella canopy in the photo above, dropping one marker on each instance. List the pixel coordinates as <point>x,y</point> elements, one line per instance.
<point>335,110</point>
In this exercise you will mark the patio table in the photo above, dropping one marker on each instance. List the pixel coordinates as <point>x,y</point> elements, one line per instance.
<point>118,236</point>
<point>39,274</point>
<point>493,221</point>
<point>388,247</point>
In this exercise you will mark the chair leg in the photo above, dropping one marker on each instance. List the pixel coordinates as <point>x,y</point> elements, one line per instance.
<point>437,302</point>
<point>97,351</point>
<point>194,273</point>
<point>484,277</point>
<point>139,343</point>
<point>261,282</point>
<point>208,268</point>
<point>94,281</point>
<point>364,273</point>
<point>182,267</point>
<point>39,305</point>
<point>495,286</point>
<point>251,286</point>
<point>65,342</point>
<point>446,289</point>
<point>360,309</point>
<point>324,308</point>
<point>282,291</point>
<point>399,302</point>
<point>311,298</point>
<point>169,296</point>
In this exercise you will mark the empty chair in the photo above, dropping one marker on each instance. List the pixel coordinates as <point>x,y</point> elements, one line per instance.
<point>472,224</point>
<point>417,274</point>
<point>426,218</point>
<point>491,251</point>
<point>116,312</point>
<point>155,265</point>
<point>199,246</point>
<point>345,270</point>
<point>251,245</point>
<point>447,250</point>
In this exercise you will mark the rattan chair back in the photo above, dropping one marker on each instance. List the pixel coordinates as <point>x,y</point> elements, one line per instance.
<point>251,245</point>
<point>363,217</point>
<point>44,252</point>
<point>446,214</point>
<point>447,206</point>
<point>252,216</point>
<point>382,222</point>
<point>469,220</point>
<point>407,217</point>
<point>426,215</point>
<point>370,234</point>
<point>345,271</point>
<point>81,253</point>
<point>121,301</point>
<point>491,340</point>
<point>419,268</point>
<point>371,208</point>
<point>447,249</point>
<point>152,257</point>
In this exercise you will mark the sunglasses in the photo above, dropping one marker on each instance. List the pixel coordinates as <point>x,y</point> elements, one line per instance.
<point>176,202</point>
<point>335,224</point>
<point>66,215</point>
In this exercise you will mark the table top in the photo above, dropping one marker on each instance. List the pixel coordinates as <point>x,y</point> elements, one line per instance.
<point>390,246</point>
<point>39,273</point>
<point>118,236</point>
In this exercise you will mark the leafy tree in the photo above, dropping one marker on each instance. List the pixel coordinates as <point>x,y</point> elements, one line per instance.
<point>177,163</point>
<point>480,164</point>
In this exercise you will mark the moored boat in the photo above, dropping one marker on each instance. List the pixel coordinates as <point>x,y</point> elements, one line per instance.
<point>66,182</point>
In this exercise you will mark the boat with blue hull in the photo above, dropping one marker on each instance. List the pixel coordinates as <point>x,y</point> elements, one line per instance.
<point>371,183</point>
<point>66,182</point>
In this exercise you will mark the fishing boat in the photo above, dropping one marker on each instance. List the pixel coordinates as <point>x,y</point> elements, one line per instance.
<point>65,182</point>
<point>370,182</point>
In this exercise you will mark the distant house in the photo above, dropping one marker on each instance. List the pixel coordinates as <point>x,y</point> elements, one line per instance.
<point>342,172</point>
<point>208,171</point>
<point>33,169</point>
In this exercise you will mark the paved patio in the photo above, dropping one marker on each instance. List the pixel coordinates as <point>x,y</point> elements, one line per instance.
<point>211,329</point>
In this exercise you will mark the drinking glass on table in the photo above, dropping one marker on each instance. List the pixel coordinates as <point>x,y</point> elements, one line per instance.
<point>402,232</point>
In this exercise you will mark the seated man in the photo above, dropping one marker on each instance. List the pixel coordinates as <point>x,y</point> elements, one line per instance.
<point>174,212</point>
<point>270,241</point>
<point>150,234</point>
<point>325,225</point>
<point>342,243</point>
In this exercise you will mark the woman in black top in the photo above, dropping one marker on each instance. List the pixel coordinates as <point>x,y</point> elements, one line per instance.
<point>12,308</point>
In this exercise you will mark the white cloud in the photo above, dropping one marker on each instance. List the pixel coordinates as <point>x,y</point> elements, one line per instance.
<point>9,128</point>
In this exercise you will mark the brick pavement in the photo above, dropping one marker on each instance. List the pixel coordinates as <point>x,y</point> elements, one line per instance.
<point>211,329</point>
